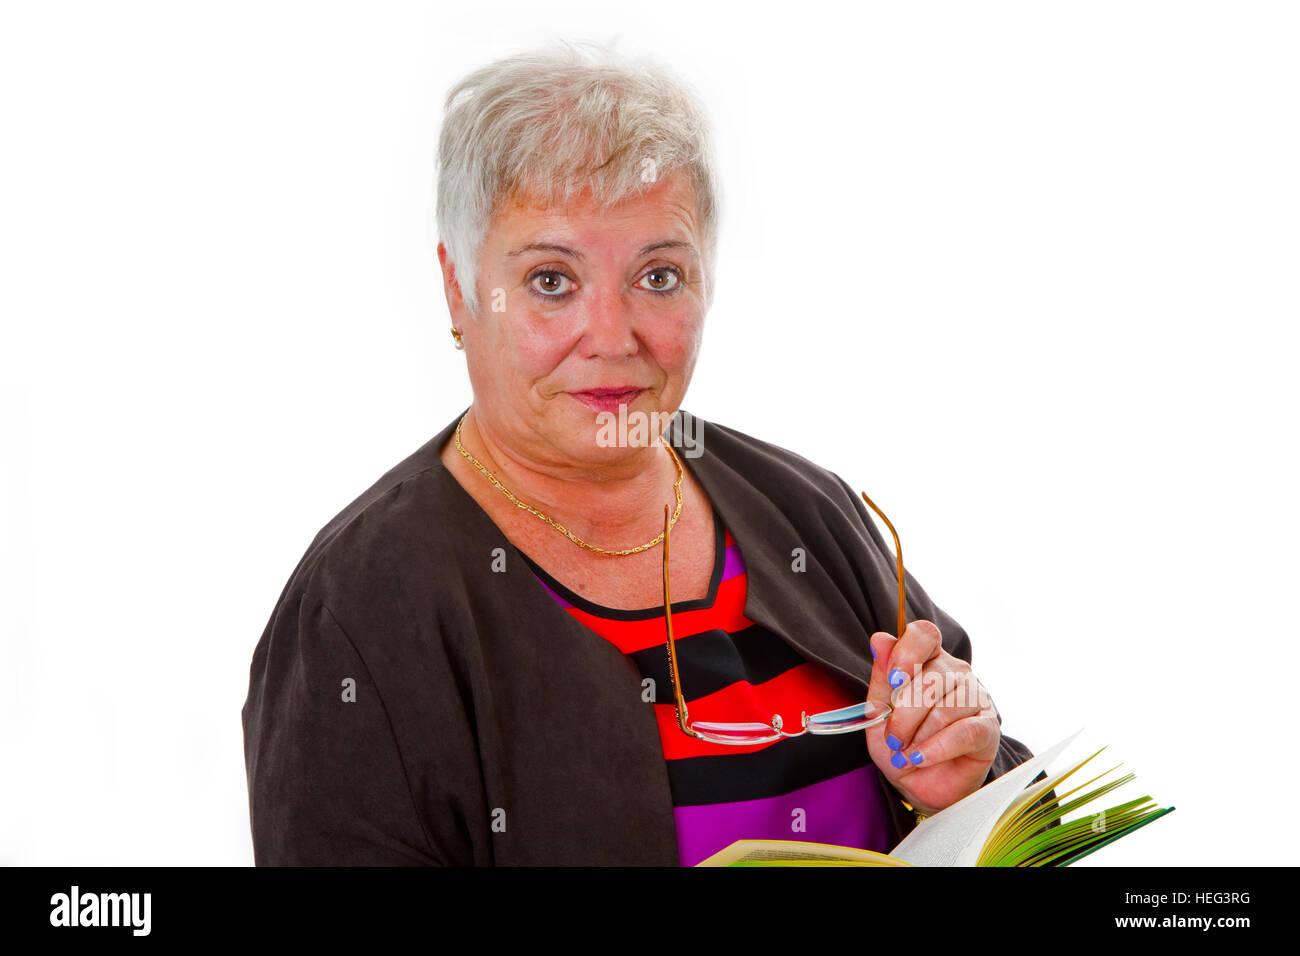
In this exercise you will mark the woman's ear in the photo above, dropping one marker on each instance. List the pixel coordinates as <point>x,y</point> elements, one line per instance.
<point>456,304</point>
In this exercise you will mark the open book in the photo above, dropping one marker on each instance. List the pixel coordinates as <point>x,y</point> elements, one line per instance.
<point>997,825</point>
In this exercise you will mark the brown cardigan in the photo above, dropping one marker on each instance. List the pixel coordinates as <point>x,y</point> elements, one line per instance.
<point>489,726</point>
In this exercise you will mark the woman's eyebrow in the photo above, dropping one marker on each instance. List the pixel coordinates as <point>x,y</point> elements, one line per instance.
<point>669,244</point>
<point>545,247</point>
<point>575,254</point>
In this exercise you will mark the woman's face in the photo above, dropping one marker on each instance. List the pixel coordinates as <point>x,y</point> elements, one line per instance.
<point>575,300</point>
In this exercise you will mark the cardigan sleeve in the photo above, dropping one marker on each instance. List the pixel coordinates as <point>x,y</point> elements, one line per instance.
<point>1011,752</point>
<point>326,782</point>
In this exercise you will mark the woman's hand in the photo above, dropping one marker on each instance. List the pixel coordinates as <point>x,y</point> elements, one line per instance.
<point>940,741</point>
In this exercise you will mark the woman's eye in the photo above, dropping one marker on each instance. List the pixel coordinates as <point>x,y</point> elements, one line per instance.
<point>661,280</point>
<point>550,283</point>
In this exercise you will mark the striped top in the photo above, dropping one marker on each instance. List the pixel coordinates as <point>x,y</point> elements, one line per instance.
<point>815,788</point>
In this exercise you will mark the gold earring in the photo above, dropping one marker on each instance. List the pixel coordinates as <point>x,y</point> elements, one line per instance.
<point>455,334</point>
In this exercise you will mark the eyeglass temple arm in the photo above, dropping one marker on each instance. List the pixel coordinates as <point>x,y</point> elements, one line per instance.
<point>682,716</point>
<point>898,550</point>
<point>672,647</point>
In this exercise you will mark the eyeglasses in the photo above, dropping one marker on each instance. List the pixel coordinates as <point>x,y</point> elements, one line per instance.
<point>841,721</point>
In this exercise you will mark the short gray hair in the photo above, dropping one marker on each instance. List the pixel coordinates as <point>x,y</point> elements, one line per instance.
<point>551,123</point>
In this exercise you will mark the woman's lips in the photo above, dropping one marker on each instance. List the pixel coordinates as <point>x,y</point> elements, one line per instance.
<point>607,400</point>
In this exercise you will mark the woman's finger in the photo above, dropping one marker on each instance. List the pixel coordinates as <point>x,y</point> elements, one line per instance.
<point>915,701</point>
<point>975,736</point>
<point>920,643</point>
<point>965,697</point>
<point>882,647</point>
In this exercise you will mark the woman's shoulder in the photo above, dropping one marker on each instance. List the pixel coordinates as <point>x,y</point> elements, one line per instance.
<point>389,529</point>
<point>385,506</point>
<point>775,469</point>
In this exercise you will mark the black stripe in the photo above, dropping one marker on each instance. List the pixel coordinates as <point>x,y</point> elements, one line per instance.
<point>619,614</point>
<point>714,659</point>
<point>778,769</point>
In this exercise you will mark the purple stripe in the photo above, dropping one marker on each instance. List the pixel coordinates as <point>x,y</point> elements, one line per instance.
<point>733,563</point>
<point>563,602</point>
<point>848,810</point>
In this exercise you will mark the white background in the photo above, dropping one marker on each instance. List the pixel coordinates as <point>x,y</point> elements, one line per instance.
<point>1025,272</point>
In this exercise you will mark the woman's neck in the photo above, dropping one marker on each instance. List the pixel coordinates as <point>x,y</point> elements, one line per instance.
<point>606,506</point>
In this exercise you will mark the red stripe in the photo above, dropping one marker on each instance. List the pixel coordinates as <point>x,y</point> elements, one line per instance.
<point>727,614</point>
<point>803,688</point>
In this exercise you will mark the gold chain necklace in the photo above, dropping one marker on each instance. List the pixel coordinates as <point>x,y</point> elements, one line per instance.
<point>677,490</point>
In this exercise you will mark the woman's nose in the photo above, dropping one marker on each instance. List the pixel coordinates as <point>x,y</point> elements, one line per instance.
<point>610,330</point>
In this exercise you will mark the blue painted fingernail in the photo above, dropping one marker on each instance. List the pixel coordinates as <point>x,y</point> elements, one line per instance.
<point>894,742</point>
<point>896,678</point>
<point>917,756</point>
<point>898,760</point>
<point>872,649</point>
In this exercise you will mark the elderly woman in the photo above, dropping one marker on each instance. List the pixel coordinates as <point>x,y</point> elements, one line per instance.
<point>471,663</point>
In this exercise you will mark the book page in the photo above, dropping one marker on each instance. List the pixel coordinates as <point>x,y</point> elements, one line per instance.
<point>759,851</point>
<point>955,836</point>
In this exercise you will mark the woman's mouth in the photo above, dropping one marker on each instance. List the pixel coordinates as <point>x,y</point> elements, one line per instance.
<point>607,399</point>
